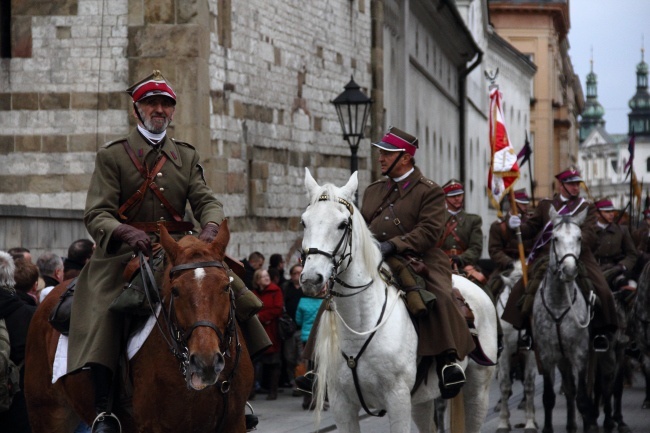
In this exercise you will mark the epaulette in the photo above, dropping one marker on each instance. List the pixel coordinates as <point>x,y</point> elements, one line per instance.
<point>428,182</point>
<point>110,143</point>
<point>182,143</point>
<point>378,182</point>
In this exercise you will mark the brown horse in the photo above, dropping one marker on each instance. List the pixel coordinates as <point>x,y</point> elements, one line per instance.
<point>196,331</point>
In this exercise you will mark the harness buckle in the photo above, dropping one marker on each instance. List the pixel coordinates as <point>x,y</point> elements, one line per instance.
<point>397,222</point>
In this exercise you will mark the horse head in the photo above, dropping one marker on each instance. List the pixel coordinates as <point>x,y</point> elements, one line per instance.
<point>328,231</point>
<point>197,294</point>
<point>566,244</point>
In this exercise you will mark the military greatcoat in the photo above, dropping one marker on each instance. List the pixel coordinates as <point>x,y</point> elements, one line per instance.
<point>465,239</point>
<point>418,204</point>
<point>95,332</point>
<point>533,228</point>
<point>615,247</point>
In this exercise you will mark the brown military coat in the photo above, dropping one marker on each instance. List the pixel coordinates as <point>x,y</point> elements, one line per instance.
<point>419,205</point>
<point>95,332</point>
<point>533,227</point>
<point>641,238</point>
<point>466,241</point>
<point>615,247</point>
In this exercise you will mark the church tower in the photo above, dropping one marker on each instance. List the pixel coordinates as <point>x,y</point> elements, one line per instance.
<point>592,114</point>
<point>639,117</point>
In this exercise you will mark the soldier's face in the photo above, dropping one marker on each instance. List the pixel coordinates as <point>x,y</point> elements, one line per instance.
<point>157,112</point>
<point>455,202</point>
<point>570,189</point>
<point>607,216</point>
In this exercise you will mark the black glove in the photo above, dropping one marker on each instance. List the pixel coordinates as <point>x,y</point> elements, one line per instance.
<point>456,260</point>
<point>209,232</point>
<point>387,248</point>
<point>135,238</point>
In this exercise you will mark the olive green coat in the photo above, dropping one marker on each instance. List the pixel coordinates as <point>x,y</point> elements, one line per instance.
<point>419,205</point>
<point>470,233</point>
<point>615,247</point>
<point>95,332</point>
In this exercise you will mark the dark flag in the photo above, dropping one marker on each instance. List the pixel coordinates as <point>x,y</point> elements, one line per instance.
<point>630,148</point>
<point>525,152</point>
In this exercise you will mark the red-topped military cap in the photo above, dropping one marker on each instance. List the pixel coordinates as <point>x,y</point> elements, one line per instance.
<point>453,187</point>
<point>604,204</point>
<point>521,196</point>
<point>153,85</point>
<point>571,174</point>
<point>397,140</point>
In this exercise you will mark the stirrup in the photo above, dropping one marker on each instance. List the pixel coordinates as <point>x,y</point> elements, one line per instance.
<point>525,342</point>
<point>305,383</point>
<point>455,381</point>
<point>251,419</point>
<point>600,343</point>
<point>102,417</point>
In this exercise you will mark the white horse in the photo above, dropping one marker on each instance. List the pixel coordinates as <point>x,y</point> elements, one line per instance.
<point>511,352</point>
<point>561,318</point>
<point>366,339</point>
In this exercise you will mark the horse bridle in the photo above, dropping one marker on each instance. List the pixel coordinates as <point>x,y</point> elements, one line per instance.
<point>178,344</point>
<point>346,243</point>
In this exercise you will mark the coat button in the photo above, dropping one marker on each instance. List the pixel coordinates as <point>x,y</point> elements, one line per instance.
<point>159,174</point>
<point>403,238</point>
<point>162,205</point>
<point>162,218</point>
<point>161,189</point>
<point>383,234</point>
<point>386,218</point>
<point>101,231</point>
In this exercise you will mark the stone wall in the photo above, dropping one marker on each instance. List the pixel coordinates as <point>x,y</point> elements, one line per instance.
<point>254,80</point>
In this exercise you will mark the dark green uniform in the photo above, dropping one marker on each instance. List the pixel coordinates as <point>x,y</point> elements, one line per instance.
<point>615,248</point>
<point>95,333</point>
<point>465,239</point>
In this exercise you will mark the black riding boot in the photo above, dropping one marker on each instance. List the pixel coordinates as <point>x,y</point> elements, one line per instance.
<point>105,422</point>
<point>451,376</point>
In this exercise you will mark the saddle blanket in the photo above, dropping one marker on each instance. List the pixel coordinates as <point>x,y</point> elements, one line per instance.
<point>135,342</point>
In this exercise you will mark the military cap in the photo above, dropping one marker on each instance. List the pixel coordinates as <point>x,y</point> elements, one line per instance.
<point>153,85</point>
<point>571,174</point>
<point>397,140</point>
<point>604,204</point>
<point>453,187</point>
<point>521,196</point>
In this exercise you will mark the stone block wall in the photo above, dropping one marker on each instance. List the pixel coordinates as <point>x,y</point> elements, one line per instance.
<point>254,80</point>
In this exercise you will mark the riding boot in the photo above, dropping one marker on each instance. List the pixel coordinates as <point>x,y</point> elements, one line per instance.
<point>274,382</point>
<point>451,376</point>
<point>105,422</point>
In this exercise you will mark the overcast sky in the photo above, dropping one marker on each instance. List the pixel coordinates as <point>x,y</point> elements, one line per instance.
<point>615,30</point>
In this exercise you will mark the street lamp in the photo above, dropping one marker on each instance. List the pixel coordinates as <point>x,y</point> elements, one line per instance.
<point>352,107</point>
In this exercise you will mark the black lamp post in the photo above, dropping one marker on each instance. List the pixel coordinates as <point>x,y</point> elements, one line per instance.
<point>352,107</point>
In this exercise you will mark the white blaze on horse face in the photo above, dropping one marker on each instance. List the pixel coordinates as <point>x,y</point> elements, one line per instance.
<point>199,273</point>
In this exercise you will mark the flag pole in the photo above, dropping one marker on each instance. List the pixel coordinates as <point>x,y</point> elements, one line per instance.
<point>530,175</point>
<point>520,242</point>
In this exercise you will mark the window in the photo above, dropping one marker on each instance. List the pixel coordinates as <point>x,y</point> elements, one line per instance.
<point>5,29</point>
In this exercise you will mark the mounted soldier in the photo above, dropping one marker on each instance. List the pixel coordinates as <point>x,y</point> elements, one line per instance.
<point>140,182</point>
<point>539,227</point>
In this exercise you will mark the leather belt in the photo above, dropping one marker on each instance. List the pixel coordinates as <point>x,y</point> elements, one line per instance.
<point>454,252</point>
<point>171,226</point>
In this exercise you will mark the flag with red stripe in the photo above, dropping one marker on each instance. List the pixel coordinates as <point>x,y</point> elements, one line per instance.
<point>504,169</point>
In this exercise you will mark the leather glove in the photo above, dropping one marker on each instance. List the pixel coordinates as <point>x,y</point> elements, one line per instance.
<point>135,238</point>
<point>510,266</point>
<point>209,232</point>
<point>514,221</point>
<point>387,248</point>
<point>457,261</point>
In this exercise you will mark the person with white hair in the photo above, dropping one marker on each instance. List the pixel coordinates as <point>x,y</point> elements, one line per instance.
<point>17,315</point>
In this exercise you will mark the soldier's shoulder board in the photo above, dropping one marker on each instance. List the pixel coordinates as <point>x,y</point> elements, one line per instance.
<point>110,143</point>
<point>428,182</point>
<point>183,143</point>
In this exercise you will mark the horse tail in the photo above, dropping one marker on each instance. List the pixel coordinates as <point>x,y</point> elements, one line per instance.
<point>457,414</point>
<point>325,354</point>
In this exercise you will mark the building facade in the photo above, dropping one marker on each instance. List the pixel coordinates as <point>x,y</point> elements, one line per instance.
<point>539,29</point>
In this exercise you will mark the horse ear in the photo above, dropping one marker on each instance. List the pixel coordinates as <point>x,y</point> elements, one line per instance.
<point>168,243</point>
<point>311,185</point>
<point>350,188</point>
<point>580,218</point>
<point>221,240</point>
